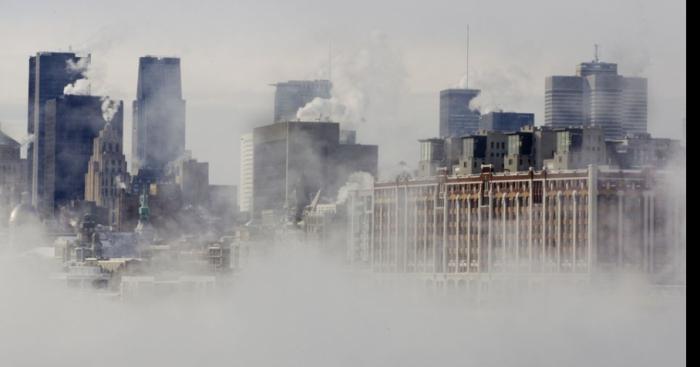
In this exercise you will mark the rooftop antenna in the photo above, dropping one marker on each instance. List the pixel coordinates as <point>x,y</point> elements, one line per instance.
<point>596,46</point>
<point>467,77</point>
<point>330,61</point>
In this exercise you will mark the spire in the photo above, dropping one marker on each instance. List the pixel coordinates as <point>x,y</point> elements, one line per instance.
<point>595,46</point>
<point>144,211</point>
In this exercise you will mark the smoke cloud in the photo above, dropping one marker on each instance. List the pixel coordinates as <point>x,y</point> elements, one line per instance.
<point>501,88</point>
<point>356,181</point>
<point>366,82</point>
<point>80,87</point>
<point>109,108</point>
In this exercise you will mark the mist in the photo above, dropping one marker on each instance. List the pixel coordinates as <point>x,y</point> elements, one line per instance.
<point>295,306</point>
<point>293,302</point>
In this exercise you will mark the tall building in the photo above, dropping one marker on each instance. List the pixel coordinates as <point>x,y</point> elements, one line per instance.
<point>292,95</point>
<point>245,187</point>
<point>456,117</point>
<point>49,74</point>
<point>159,115</point>
<point>506,121</point>
<point>597,95</point>
<point>106,175</point>
<point>193,178</point>
<point>295,160</point>
<point>12,176</point>
<point>72,122</point>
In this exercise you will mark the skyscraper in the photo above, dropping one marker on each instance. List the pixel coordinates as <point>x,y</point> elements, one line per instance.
<point>293,161</point>
<point>49,74</point>
<point>456,118</point>
<point>598,96</point>
<point>72,122</point>
<point>106,172</point>
<point>245,191</point>
<point>159,115</point>
<point>292,95</point>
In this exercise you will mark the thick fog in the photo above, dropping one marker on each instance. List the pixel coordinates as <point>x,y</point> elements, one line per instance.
<point>294,307</point>
<point>293,304</point>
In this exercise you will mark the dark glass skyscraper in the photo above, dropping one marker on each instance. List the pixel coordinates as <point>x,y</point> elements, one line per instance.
<point>159,115</point>
<point>456,118</point>
<point>71,124</point>
<point>597,95</point>
<point>292,95</point>
<point>49,73</point>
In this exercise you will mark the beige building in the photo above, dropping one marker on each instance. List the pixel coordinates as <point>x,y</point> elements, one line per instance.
<point>107,174</point>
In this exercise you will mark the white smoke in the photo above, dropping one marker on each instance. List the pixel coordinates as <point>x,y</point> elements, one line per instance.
<point>500,89</point>
<point>324,109</point>
<point>78,67</point>
<point>366,82</point>
<point>109,108</point>
<point>120,182</point>
<point>80,87</point>
<point>356,181</point>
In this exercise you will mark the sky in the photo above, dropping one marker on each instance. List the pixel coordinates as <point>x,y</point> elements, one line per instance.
<point>391,57</point>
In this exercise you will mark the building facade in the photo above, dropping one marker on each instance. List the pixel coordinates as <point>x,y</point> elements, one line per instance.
<point>582,223</point>
<point>292,95</point>
<point>484,148</point>
<point>576,148</point>
<point>294,160</point>
<point>72,123</point>
<point>158,136</point>
<point>597,95</point>
<point>193,178</point>
<point>245,186</point>
<point>12,176</point>
<point>106,175</point>
<point>506,121</point>
<point>49,74</point>
<point>456,117</point>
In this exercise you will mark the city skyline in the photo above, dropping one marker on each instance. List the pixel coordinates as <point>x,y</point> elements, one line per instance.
<point>420,61</point>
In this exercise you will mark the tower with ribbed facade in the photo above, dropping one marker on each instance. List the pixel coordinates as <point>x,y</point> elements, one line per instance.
<point>597,95</point>
<point>158,136</point>
<point>106,174</point>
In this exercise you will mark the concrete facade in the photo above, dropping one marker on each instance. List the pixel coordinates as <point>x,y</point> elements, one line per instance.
<point>106,173</point>
<point>581,223</point>
<point>245,186</point>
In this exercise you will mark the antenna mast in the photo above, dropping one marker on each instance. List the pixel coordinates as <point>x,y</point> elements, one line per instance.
<point>596,51</point>
<point>330,62</point>
<point>467,77</point>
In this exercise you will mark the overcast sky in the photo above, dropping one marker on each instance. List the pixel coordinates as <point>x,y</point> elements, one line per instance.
<point>396,54</point>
